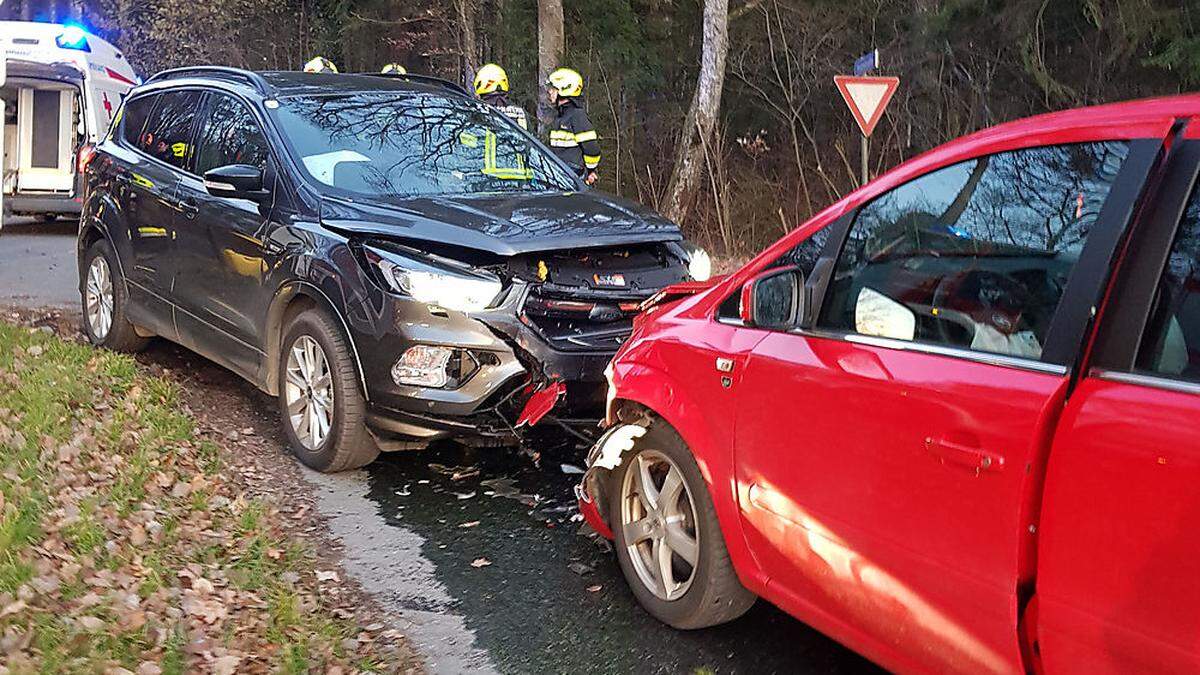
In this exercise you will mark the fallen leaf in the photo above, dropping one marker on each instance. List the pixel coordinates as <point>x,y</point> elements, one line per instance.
<point>327,576</point>
<point>580,568</point>
<point>13,608</point>
<point>593,589</point>
<point>90,623</point>
<point>473,523</point>
<point>480,562</point>
<point>226,665</point>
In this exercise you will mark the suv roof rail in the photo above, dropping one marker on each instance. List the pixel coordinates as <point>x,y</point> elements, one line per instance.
<point>218,72</point>
<point>424,79</point>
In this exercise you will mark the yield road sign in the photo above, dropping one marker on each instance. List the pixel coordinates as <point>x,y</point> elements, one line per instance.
<point>867,97</point>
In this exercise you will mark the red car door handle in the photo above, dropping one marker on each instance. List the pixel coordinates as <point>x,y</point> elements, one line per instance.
<point>966,456</point>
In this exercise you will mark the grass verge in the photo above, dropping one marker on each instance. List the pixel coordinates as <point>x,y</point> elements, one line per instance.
<point>124,544</point>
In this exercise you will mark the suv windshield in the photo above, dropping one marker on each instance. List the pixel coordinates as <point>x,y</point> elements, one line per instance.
<point>414,144</point>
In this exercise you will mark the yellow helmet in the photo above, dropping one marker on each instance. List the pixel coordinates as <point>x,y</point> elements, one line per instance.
<point>394,69</point>
<point>566,82</point>
<point>320,64</point>
<point>490,78</point>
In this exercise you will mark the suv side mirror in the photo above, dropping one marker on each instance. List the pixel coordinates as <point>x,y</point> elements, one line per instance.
<point>773,299</point>
<point>237,181</point>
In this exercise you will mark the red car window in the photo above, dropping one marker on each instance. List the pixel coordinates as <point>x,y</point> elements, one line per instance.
<point>975,255</point>
<point>1171,344</point>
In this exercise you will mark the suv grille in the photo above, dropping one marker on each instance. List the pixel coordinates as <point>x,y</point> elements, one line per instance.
<point>571,323</point>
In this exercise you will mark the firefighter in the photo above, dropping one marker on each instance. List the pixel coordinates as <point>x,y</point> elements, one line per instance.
<point>572,136</point>
<point>320,64</point>
<point>491,86</point>
<point>394,69</point>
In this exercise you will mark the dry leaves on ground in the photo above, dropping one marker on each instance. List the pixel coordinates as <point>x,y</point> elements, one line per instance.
<point>128,546</point>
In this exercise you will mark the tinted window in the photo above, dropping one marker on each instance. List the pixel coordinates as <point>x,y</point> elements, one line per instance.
<point>230,136</point>
<point>133,118</point>
<point>168,134</point>
<point>409,144</point>
<point>1171,345</point>
<point>803,255</point>
<point>974,255</point>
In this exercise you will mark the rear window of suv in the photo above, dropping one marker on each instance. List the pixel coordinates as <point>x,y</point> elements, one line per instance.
<point>414,144</point>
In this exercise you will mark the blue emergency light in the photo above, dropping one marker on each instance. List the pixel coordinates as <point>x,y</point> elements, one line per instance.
<point>73,37</point>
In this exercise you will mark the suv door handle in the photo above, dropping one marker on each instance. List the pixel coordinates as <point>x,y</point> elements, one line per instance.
<point>962,455</point>
<point>188,208</point>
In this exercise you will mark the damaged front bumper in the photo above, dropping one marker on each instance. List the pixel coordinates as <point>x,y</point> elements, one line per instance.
<point>505,373</point>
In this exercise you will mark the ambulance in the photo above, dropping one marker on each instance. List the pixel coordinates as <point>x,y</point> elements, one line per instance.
<point>62,87</point>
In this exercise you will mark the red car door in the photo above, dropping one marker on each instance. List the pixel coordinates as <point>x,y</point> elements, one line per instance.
<point>1119,555</point>
<point>886,451</point>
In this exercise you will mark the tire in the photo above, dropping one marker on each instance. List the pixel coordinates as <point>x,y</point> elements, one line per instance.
<point>338,403</point>
<point>109,299</point>
<point>712,594</point>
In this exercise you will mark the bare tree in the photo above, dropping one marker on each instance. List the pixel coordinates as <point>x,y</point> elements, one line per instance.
<point>551,42</point>
<point>702,113</point>
<point>468,41</point>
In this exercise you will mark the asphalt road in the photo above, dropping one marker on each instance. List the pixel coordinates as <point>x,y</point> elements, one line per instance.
<point>37,263</point>
<point>549,599</point>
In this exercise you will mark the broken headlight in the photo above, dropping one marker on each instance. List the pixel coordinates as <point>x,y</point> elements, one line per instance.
<point>457,288</point>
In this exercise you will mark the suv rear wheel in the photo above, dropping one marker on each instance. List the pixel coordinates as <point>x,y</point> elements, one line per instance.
<point>668,541</point>
<point>105,301</point>
<point>321,407</point>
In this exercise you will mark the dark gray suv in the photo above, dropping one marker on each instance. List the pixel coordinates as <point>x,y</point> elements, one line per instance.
<point>393,259</point>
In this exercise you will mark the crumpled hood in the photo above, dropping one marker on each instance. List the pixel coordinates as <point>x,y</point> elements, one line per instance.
<point>503,224</point>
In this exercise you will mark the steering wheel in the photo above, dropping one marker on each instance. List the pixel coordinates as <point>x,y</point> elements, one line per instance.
<point>979,297</point>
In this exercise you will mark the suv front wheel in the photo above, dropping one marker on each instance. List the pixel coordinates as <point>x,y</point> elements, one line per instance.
<point>322,409</point>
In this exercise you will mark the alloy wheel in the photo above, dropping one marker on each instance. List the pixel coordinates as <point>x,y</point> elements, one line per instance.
<point>658,521</point>
<point>98,298</point>
<point>308,392</point>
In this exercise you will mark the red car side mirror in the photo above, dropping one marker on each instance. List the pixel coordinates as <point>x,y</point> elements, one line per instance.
<point>773,299</point>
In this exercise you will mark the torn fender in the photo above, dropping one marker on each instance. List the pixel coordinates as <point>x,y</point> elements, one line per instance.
<point>605,455</point>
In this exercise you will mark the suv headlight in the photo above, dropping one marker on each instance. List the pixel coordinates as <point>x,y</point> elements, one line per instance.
<point>461,290</point>
<point>699,264</point>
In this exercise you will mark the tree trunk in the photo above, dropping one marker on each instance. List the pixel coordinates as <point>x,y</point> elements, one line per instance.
<point>702,114</point>
<point>551,42</point>
<point>468,41</point>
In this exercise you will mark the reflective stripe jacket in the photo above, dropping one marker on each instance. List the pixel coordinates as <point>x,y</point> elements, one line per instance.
<point>514,112</point>
<point>573,138</point>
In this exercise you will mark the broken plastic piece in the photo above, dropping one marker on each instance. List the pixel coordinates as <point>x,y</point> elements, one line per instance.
<point>541,403</point>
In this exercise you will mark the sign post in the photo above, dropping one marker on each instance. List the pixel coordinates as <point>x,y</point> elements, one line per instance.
<point>867,97</point>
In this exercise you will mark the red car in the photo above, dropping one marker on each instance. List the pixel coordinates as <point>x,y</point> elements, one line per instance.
<point>951,421</point>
